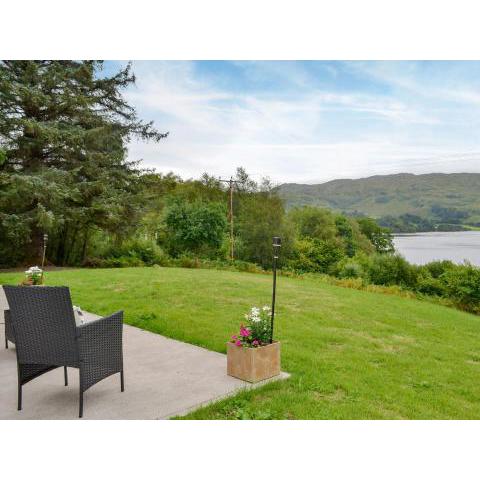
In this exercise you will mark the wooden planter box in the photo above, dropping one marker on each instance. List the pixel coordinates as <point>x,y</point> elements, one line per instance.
<point>253,364</point>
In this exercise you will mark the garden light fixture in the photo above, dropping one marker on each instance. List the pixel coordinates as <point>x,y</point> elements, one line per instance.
<point>277,243</point>
<point>45,240</point>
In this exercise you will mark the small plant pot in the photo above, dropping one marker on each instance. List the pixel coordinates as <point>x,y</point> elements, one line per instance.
<point>253,364</point>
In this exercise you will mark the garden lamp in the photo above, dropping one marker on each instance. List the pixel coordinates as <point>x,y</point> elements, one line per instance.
<point>45,240</point>
<point>277,243</point>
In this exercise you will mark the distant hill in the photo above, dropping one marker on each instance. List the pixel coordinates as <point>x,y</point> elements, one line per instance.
<point>404,201</point>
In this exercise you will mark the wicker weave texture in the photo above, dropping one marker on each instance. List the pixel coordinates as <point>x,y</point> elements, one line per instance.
<point>8,327</point>
<point>42,324</point>
<point>100,349</point>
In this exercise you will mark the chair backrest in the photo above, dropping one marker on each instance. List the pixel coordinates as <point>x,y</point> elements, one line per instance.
<point>43,323</point>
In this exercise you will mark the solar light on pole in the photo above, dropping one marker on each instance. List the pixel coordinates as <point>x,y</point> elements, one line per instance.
<point>277,243</point>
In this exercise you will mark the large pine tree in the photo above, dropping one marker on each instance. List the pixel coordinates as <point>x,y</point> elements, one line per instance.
<point>64,129</point>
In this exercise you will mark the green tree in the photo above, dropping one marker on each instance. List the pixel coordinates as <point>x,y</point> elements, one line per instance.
<point>156,189</point>
<point>313,222</point>
<point>262,216</point>
<point>197,227</point>
<point>314,255</point>
<point>345,232</point>
<point>380,237</point>
<point>64,128</point>
<point>244,183</point>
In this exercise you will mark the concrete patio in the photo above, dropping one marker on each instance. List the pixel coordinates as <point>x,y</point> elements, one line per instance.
<point>163,378</point>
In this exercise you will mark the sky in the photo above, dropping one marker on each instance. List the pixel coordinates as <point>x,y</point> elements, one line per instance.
<point>308,122</point>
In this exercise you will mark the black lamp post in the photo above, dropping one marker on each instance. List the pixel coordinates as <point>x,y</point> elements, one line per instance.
<point>45,240</point>
<point>277,243</point>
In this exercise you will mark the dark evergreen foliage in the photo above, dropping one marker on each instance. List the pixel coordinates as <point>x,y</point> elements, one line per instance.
<point>64,128</point>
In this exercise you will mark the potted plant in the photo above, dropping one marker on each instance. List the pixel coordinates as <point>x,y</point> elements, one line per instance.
<point>33,276</point>
<point>252,355</point>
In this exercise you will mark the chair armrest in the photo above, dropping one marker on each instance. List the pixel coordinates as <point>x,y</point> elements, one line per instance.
<point>101,325</point>
<point>100,348</point>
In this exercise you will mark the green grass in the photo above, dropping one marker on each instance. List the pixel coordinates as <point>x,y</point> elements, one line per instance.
<point>352,354</point>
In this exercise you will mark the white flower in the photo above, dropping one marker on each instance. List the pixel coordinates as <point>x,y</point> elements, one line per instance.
<point>33,270</point>
<point>266,308</point>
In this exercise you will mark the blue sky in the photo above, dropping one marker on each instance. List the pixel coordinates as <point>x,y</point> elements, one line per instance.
<point>309,121</point>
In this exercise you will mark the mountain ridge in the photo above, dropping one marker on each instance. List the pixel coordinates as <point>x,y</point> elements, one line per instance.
<point>438,198</point>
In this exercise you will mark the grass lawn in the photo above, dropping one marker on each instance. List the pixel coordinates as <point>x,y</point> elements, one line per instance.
<point>352,354</point>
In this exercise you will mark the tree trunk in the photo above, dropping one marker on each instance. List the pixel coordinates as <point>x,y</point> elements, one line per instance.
<point>61,245</point>
<point>35,251</point>
<point>85,243</point>
<point>70,251</point>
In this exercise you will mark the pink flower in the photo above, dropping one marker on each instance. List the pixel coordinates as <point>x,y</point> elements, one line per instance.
<point>234,337</point>
<point>244,332</point>
<point>238,343</point>
<point>255,342</point>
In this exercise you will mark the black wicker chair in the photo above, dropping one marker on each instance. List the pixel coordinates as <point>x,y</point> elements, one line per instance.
<point>46,337</point>
<point>8,328</point>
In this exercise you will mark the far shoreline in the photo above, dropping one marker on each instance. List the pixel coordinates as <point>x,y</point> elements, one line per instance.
<point>431,232</point>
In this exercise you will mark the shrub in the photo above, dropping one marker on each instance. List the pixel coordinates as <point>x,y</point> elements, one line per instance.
<point>93,262</point>
<point>462,284</point>
<point>242,266</point>
<point>349,268</point>
<point>132,253</point>
<point>313,255</point>
<point>186,261</point>
<point>437,268</point>
<point>389,269</point>
<point>123,261</point>
<point>430,285</point>
<point>145,250</point>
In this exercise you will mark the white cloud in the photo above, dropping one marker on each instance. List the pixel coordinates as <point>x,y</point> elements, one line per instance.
<point>287,136</point>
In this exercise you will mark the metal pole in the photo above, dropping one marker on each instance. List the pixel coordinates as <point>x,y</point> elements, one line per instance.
<point>231,184</point>
<point>273,294</point>
<point>45,239</point>
<point>231,219</point>
<point>43,257</point>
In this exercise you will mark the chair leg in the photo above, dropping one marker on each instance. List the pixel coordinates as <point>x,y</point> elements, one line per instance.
<point>122,382</point>
<point>65,374</point>
<point>80,411</point>
<point>19,407</point>
<point>6,341</point>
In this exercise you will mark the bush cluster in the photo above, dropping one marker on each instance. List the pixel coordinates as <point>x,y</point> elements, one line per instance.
<point>191,232</point>
<point>459,284</point>
<point>131,253</point>
<point>456,285</point>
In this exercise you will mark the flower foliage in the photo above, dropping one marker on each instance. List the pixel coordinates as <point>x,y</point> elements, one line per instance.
<point>33,276</point>
<point>256,331</point>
